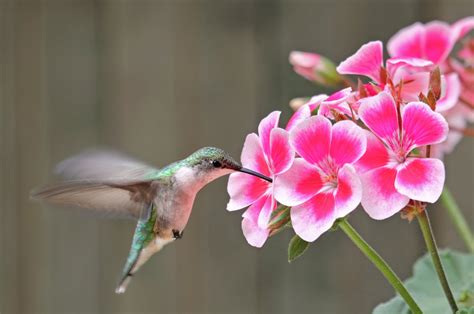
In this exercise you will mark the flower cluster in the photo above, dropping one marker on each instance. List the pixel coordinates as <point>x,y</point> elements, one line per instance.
<point>372,143</point>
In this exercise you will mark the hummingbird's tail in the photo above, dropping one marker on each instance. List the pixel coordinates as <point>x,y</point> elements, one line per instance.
<point>136,259</point>
<point>122,286</point>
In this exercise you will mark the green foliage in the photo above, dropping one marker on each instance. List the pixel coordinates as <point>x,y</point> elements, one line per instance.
<point>426,289</point>
<point>466,311</point>
<point>296,248</point>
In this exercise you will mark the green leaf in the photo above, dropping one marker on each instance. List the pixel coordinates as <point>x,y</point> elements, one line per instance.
<point>296,248</point>
<point>426,289</point>
<point>466,311</point>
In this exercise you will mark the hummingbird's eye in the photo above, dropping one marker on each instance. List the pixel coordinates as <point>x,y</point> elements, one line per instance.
<point>216,163</point>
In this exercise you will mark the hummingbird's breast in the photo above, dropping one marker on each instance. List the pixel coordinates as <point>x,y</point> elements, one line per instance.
<point>176,198</point>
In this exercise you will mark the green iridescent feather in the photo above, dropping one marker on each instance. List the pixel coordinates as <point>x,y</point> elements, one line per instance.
<point>142,237</point>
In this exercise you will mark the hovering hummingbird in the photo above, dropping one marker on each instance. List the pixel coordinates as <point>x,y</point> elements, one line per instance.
<point>161,199</point>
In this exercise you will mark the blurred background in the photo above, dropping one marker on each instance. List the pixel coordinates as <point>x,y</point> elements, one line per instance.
<point>159,79</point>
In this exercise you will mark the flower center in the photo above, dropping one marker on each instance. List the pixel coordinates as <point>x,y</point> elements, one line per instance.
<point>329,172</point>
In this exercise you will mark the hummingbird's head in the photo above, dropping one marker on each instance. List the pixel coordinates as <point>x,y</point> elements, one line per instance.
<point>216,162</point>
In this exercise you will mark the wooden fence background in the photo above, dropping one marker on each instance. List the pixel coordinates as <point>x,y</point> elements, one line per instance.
<point>159,79</point>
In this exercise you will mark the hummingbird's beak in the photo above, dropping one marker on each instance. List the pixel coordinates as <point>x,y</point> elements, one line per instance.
<point>254,173</point>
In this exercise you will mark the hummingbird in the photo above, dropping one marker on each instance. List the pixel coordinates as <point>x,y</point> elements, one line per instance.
<point>161,200</point>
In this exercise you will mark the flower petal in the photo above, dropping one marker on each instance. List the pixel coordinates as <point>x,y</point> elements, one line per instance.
<point>252,156</point>
<point>282,153</point>
<point>314,217</point>
<point>266,211</point>
<point>380,199</point>
<point>451,92</point>
<point>422,126</point>
<point>311,139</point>
<point>438,41</point>
<point>376,154</point>
<point>380,115</point>
<point>315,101</point>
<point>408,64</point>
<point>255,235</point>
<point>349,191</point>
<point>366,61</point>
<point>304,59</point>
<point>421,179</point>
<point>298,184</point>
<point>348,142</point>
<point>414,84</point>
<point>265,127</point>
<point>244,190</point>
<point>303,113</point>
<point>337,101</point>
<point>462,27</point>
<point>408,42</point>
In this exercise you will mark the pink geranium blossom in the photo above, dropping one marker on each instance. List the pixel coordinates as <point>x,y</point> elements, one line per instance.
<point>269,153</point>
<point>391,174</point>
<point>368,61</point>
<point>433,41</point>
<point>322,185</point>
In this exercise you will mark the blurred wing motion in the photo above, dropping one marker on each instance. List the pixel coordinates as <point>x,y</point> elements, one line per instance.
<point>106,182</point>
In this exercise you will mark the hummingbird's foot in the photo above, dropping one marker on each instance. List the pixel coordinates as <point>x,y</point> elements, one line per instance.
<point>177,234</point>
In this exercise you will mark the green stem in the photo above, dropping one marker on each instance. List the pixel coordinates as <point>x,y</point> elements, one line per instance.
<point>458,219</point>
<point>378,261</point>
<point>425,226</point>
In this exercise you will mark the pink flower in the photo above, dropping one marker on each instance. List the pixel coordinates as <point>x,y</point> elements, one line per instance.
<point>433,41</point>
<point>315,68</point>
<point>269,153</point>
<point>342,101</point>
<point>368,61</point>
<point>391,175</point>
<point>322,185</point>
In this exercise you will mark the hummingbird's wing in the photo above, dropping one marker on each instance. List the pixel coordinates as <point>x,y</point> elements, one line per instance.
<point>106,182</point>
<point>105,166</point>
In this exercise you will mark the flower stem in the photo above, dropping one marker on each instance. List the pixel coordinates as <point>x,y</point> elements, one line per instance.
<point>458,219</point>
<point>425,226</point>
<point>382,266</point>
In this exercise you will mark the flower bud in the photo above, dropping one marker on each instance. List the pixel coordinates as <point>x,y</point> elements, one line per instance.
<point>297,103</point>
<point>279,220</point>
<point>315,68</point>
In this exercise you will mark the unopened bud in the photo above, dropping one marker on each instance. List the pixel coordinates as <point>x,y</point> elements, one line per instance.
<point>315,68</point>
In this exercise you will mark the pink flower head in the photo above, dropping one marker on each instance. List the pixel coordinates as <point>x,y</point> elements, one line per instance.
<point>322,185</point>
<point>269,153</point>
<point>315,68</point>
<point>368,61</point>
<point>433,41</point>
<point>391,176</point>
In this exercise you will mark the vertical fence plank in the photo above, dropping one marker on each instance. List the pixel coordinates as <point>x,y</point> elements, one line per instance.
<point>9,295</point>
<point>31,115</point>
<point>138,116</point>
<point>221,58</point>
<point>70,82</point>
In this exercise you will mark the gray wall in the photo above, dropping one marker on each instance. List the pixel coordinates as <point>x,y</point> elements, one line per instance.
<point>159,79</point>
